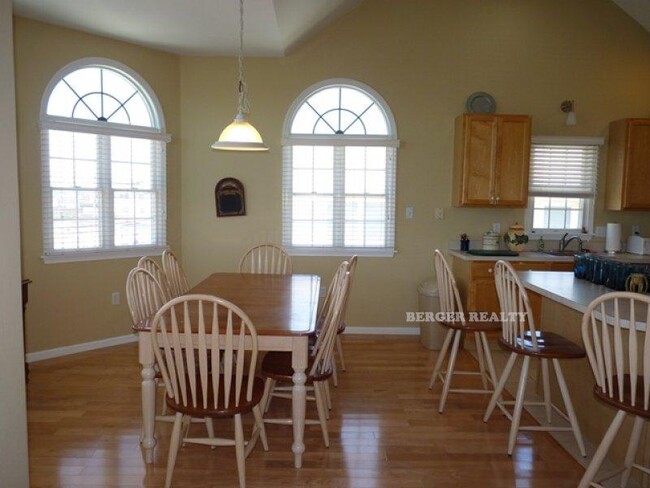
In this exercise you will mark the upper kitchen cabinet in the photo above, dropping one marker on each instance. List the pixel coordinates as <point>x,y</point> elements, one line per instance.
<point>491,159</point>
<point>628,165</point>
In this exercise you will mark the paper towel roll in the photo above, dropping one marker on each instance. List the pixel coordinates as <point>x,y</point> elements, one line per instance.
<point>613,238</point>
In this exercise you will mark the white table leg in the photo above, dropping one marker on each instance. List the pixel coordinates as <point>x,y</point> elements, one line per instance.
<point>147,360</point>
<point>299,402</point>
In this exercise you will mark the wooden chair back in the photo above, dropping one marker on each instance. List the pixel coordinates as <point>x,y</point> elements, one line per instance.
<point>329,300</point>
<point>175,275</point>
<point>206,348</point>
<point>612,353</point>
<point>144,295</point>
<point>333,317</point>
<point>516,313</point>
<point>265,259</point>
<point>156,270</point>
<point>450,304</point>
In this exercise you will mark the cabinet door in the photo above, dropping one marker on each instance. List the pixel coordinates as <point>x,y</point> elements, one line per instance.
<point>479,157</point>
<point>512,161</point>
<point>637,169</point>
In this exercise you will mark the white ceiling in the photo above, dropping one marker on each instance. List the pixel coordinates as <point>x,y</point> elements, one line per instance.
<point>193,27</point>
<point>210,27</point>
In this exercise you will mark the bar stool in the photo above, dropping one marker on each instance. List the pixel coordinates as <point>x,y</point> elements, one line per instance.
<point>620,383</point>
<point>452,308</point>
<point>520,336</point>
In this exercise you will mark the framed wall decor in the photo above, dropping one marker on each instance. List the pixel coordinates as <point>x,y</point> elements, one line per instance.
<point>230,198</point>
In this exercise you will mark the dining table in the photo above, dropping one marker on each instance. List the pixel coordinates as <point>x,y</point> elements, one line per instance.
<point>282,308</point>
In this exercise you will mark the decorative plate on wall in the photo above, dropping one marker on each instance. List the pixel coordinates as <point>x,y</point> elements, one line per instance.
<point>481,103</point>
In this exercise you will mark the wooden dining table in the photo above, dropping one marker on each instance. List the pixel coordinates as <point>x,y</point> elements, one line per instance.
<point>283,310</point>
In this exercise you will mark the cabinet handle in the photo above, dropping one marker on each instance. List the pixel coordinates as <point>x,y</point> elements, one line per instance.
<point>489,270</point>
<point>498,198</point>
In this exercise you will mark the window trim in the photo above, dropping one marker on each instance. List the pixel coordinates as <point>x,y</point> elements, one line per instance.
<point>157,133</point>
<point>333,140</point>
<point>590,202</point>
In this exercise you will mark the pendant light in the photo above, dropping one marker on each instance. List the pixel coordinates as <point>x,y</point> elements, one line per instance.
<point>240,135</point>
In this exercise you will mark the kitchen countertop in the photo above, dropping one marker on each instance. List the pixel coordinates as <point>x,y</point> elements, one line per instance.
<point>523,256</point>
<point>563,287</point>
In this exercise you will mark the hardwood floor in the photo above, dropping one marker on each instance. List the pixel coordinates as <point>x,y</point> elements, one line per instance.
<point>84,428</point>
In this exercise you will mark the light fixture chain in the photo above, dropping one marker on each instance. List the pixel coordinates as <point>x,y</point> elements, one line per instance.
<point>243,105</point>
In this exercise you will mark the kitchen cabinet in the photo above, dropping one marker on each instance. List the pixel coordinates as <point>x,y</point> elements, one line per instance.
<point>475,280</point>
<point>491,160</point>
<point>628,165</point>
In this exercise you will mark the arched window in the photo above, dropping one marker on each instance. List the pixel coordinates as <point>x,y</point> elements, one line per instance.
<point>103,164</point>
<point>339,164</point>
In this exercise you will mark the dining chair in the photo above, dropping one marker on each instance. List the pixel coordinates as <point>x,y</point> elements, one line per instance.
<point>452,309</point>
<point>338,352</point>
<point>175,275</point>
<point>277,368</point>
<point>265,259</point>
<point>157,271</point>
<point>207,351</point>
<point>144,297</point>
<point>520,336</point>
<point>619,361</point>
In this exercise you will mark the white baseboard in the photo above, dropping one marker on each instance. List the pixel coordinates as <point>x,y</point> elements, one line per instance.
<point>32,357</point>
<point>383,330</point>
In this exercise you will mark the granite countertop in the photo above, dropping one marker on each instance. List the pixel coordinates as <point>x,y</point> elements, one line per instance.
<point>522,256</point>
<point>563,287</point>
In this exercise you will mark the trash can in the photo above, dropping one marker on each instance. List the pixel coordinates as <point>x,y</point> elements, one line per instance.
<point>432,334</point>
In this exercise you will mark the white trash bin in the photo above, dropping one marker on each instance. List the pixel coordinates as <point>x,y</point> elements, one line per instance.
<point>432,334</point>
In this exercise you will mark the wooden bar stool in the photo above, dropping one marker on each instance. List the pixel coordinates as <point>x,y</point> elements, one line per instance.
<point>620,363</point>
<point>520,336</point>
<point>452,308</point>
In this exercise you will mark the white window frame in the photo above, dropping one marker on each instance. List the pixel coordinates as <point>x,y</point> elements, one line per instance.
<point>589,202</point>
<point>339,142</point>
<point>157,132</point>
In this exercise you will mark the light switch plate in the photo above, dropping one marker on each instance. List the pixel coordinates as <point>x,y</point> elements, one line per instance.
<point>496,227</point>
<point>409,212</point>
<point>440,213</point>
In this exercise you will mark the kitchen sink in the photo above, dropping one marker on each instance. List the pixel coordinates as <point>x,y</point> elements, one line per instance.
<point>563,253</point>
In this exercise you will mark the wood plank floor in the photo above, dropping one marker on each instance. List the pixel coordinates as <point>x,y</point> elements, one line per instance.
<point>84,427</point>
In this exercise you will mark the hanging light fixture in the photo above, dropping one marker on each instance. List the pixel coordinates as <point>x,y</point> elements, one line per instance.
<point>240,135</point>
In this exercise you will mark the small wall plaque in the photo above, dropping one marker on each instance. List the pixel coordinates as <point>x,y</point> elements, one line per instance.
<point>229,198</point>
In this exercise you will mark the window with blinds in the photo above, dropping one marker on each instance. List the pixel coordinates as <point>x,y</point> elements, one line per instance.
<point>562,185</point>
<point>339,172</point>
<point>103,165</point>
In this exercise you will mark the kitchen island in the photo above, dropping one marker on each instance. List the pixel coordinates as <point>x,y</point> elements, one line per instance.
<point>564,299</point>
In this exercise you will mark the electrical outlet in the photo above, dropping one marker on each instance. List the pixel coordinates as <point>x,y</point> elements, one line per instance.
<point>409,212</point>
<point>440,213</point>
<point>636,229</point>
<point>323,291</point>
<point>115,298</point>
<point>496,227</point>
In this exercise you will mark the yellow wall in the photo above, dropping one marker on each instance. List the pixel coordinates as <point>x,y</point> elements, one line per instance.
<point>424,57</point>
<point>71,303</point>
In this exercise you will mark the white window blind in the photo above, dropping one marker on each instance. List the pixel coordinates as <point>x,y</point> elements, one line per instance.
<point>103,164</point>
<point>563,170</point>
<point>339,198</point>
<point>339,172</point>
<point>101,192</point>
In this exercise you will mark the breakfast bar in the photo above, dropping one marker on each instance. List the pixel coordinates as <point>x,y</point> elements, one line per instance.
<point>564,299</point>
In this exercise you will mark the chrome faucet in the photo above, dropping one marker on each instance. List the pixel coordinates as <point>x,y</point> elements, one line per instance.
<point>564,242</point>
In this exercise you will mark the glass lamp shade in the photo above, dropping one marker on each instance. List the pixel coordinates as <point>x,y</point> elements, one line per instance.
<point>240,136</point>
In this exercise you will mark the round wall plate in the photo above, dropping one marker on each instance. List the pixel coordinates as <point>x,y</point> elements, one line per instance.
<point>481,103</point>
